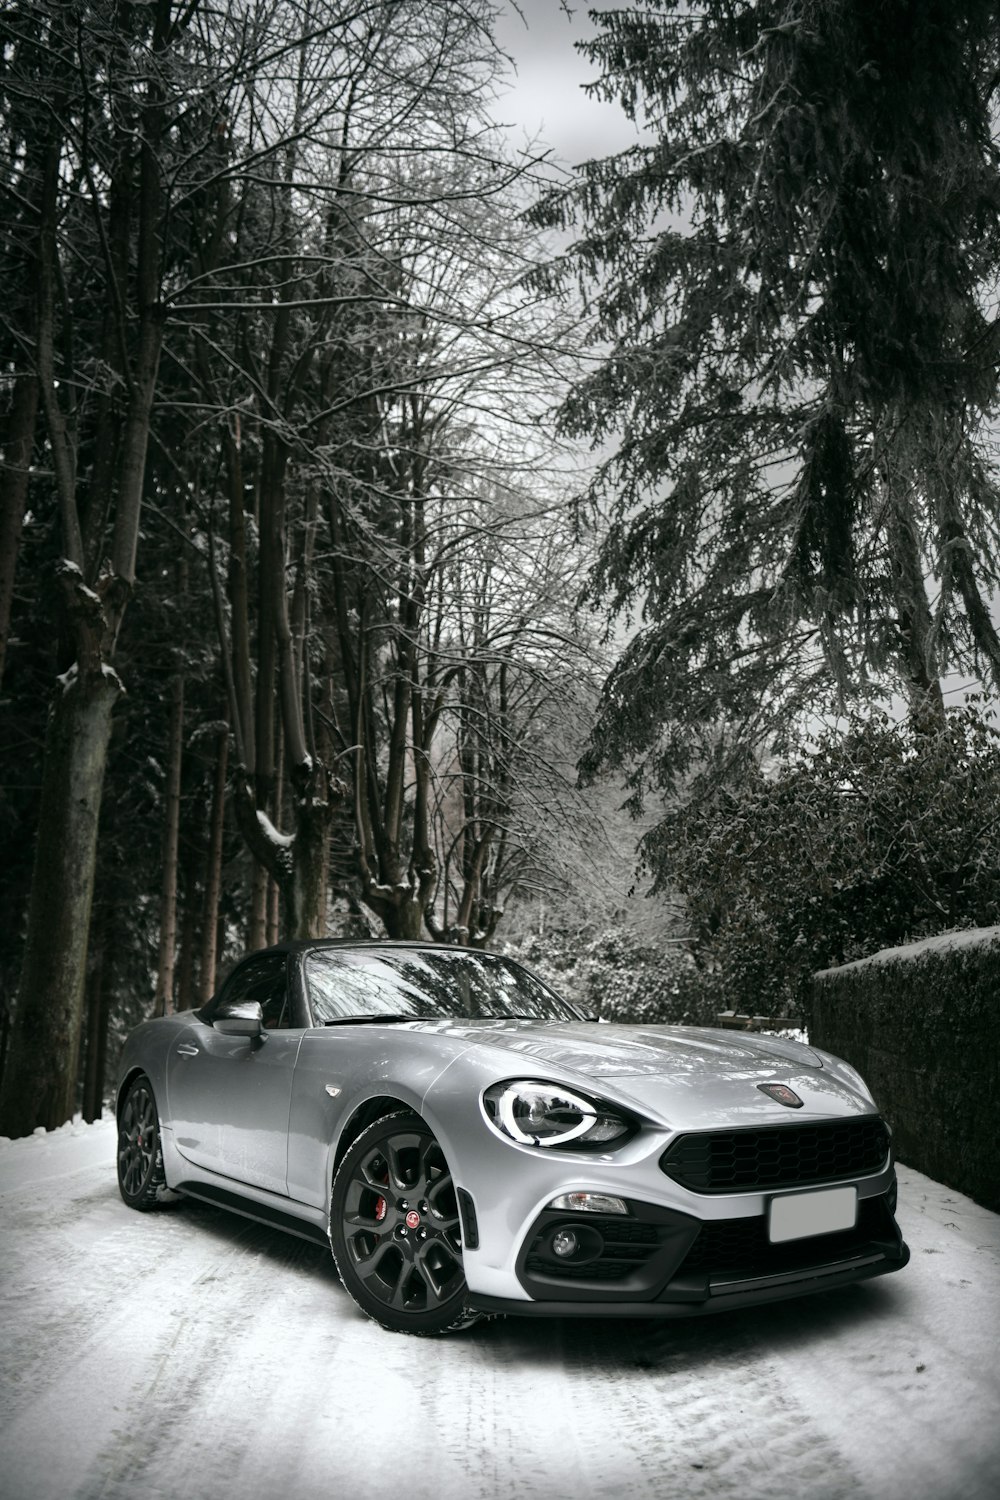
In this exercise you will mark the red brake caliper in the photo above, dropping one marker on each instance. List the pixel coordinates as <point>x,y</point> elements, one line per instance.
<point>380,1207</point>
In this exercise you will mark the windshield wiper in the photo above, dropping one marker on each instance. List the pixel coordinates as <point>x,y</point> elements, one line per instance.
<point>373,1020</point>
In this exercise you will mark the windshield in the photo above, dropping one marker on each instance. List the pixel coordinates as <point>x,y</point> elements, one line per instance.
<point>427,984</point>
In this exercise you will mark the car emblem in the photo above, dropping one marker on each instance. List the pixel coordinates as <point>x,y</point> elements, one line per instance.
<point>412,1219</point>
<point>781,1094</point>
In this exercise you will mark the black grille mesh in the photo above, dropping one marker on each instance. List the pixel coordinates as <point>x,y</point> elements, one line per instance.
<point>742,1245</point>
<point>722,1161</point>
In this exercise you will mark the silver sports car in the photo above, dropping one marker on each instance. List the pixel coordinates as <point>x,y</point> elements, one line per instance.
<point>469,1142</point>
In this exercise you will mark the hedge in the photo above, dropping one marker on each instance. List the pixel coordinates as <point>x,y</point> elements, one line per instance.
<point>922,1025</point>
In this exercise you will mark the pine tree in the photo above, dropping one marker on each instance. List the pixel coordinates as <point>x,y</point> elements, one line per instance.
<point>792,277</point>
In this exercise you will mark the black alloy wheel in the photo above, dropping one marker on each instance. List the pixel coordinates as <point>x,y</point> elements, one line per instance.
<point>395,1229</point>
<point>140,1159</point>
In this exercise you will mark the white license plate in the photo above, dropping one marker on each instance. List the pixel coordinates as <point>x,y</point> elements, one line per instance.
<point>802,1214</point>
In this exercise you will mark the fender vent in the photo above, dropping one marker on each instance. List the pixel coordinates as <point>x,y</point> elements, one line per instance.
<point>470,1225</point>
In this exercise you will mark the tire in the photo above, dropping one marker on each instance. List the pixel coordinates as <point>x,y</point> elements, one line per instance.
<point>408,1277</point>
<point>140,1156</point>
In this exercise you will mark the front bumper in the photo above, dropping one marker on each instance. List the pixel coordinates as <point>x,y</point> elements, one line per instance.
<point>660,1263</point>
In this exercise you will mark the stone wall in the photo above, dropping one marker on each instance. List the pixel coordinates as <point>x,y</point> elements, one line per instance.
<point>922,1026</point>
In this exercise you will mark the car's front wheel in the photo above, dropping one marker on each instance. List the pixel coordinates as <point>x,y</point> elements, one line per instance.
<point>140,1158</point>
<point>395,1229</point>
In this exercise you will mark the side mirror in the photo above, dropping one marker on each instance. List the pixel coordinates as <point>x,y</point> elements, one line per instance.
<point>240,1018</point>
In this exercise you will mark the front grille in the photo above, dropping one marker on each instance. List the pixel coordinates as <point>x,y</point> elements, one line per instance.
<point>725,1161</point>
<point>741,1246</point>
<point>627,1247</point>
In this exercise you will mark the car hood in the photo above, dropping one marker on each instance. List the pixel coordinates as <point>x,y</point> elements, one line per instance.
<point>686,1076</point>
<point>644,1052</point>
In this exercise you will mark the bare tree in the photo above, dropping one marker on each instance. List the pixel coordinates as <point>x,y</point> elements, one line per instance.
<point>330,344</point>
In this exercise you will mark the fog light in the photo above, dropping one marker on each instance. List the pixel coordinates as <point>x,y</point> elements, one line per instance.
<point>564,1242</point>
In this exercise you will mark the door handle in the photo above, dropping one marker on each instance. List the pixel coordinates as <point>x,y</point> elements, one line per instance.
<point>186,1049</point>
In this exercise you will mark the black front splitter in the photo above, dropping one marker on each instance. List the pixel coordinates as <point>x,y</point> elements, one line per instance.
<point>723,1296</point>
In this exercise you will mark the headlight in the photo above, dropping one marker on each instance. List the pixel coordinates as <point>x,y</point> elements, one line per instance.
<point>545,1114</point>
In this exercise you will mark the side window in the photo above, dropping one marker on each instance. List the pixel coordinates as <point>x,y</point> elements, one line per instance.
<point>264,979</point>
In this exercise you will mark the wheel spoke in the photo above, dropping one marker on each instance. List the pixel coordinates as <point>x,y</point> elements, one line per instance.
<point>424,1272</point>
<point>401,1173</point>
<point>442,1203</point>
<point>374,1171</point>
<point>368,1262</point>
<point>438,1270</point>
<point>397,1298</point>
<point>361,1201</point>
<point>431,1161</point>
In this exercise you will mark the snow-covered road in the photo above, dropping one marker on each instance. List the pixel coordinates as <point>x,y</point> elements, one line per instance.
<point>193,1354</point>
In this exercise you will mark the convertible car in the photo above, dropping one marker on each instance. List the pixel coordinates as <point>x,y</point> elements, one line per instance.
<point>468,1142</point>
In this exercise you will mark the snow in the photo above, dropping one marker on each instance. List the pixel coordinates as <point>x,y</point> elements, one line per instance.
<point>191,1352</point>
<point>68,680</point>
<point>963,937</point>
<point>282,840</point>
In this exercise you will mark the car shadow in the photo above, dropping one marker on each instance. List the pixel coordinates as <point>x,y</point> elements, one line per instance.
<point>277,1247</point>
<point>682,1344</point>
<point>654,1344</point>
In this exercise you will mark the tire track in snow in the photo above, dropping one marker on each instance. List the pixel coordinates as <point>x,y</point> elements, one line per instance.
<point>651,1410</point>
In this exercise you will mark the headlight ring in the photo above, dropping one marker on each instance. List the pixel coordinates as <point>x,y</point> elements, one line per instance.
<point>536,1113</point>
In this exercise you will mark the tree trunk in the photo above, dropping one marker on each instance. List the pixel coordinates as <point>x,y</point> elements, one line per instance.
<point>305,893</point>
<point>273,912</point>
<point>213,875</point>
<point>404,921</point>
<point>98,1008</point>
<point>915,621</point>
<point>299,864</point>
<point>4,1036</point>
<point>164,1003</point>
<point>192,861</point>
<point>273,889</point>
<point>19,440</point>
<point>42,1072</point>
<point>259,903</point>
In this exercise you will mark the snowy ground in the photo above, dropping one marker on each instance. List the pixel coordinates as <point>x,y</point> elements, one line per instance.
<point>193,1354</point>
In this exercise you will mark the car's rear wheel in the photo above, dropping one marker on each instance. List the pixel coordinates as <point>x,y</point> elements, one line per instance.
<point>395,1229</point>
<point>140,1157</point>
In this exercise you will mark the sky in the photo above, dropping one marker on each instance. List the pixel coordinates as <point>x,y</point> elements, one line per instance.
<point>546,98</point>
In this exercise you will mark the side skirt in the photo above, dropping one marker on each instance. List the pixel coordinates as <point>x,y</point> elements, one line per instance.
<point>262,1213</point>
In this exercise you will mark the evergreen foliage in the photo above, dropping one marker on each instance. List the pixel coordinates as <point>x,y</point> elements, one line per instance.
<point>879,835</point>
<point>793,279</point>
<point>620,976</point>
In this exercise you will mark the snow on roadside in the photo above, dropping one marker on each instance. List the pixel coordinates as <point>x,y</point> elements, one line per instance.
<point>48,1155</point>
<point>960,937</point>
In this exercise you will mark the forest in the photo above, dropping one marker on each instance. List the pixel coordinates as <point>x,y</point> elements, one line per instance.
<point>401,538</point>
